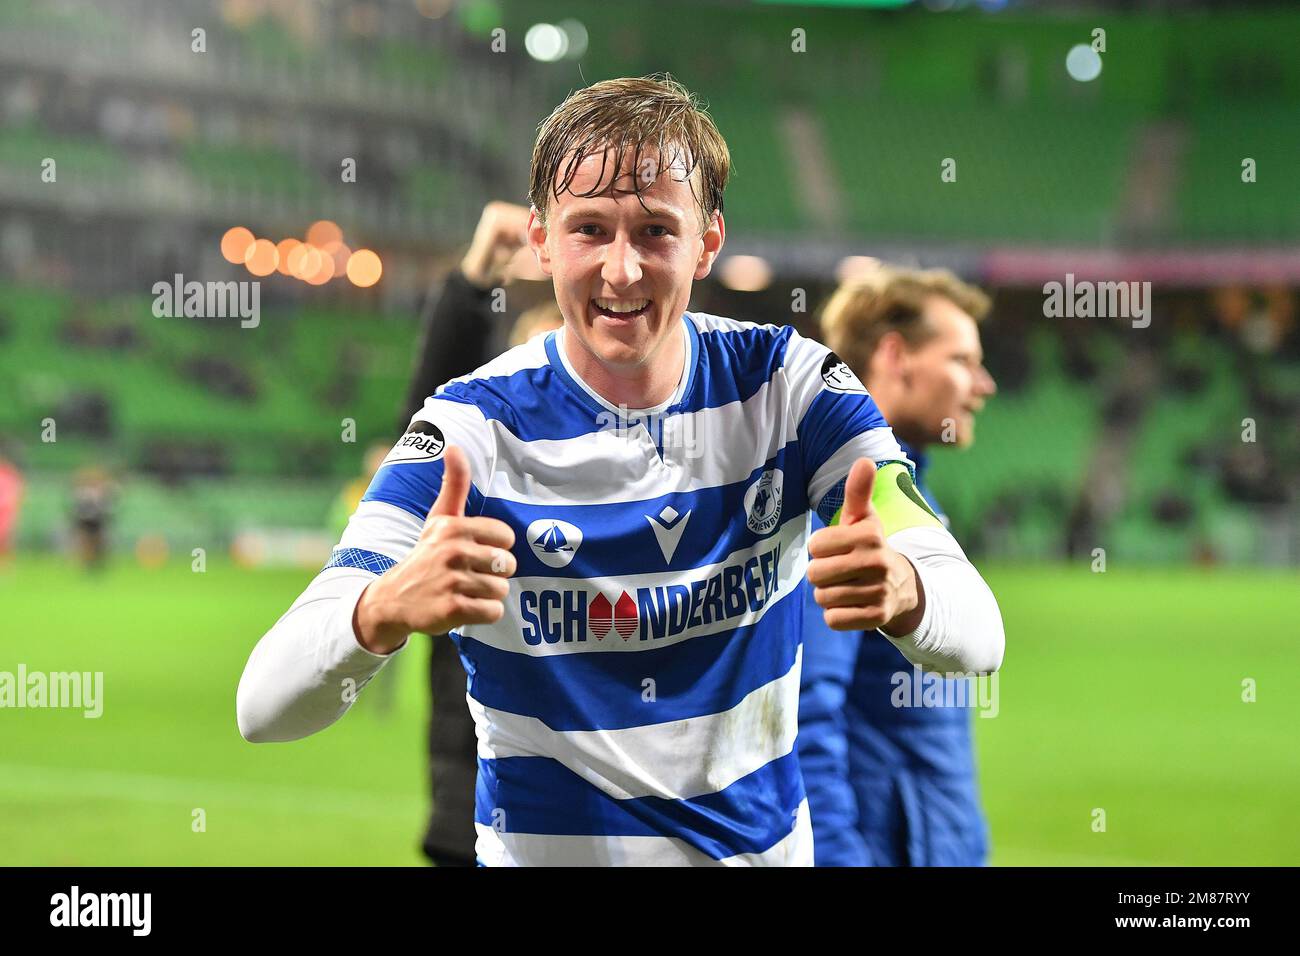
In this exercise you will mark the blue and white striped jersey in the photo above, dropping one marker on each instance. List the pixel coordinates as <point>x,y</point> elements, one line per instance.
<point>638,702</point>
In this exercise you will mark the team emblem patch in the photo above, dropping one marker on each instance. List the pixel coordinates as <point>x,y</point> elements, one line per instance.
<point>423,441</point>
<point>763,502</point>
<point>839,377</point>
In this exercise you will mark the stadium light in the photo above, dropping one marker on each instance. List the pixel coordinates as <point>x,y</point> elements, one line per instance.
<point>577,37</point>
<point>364,268</point>
<point>303,260</point>
<point>546,42</point>
<point>324,269</point>
<point>235,243</point>
<point>1083,63</point>
<point>284,247</point>
<point>854,268</point>
<point>745,273</point>
<point>339,253</point>
<point>322,232</point>
<point>261,257</point>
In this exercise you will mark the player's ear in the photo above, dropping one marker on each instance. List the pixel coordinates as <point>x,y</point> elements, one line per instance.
<point>891,353</point>
<point>536,231</point>
<point>714,236</point>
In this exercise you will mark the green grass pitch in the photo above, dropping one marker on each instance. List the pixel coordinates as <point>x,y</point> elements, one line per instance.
<point>1121,692</point>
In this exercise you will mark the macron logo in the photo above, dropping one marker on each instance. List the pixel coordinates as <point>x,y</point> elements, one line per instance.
<point>102,909</point>
<point>668,528</point>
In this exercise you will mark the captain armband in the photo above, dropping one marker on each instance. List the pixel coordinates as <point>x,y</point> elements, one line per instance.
<point>895,498</point>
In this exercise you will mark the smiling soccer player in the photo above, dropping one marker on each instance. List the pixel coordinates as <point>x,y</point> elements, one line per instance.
<point>626,603</point>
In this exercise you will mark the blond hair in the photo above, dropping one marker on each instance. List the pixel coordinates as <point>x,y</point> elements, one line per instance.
<point>636,114</point>
<point>860,312</point>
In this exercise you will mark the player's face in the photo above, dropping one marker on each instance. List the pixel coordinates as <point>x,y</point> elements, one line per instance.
<point>623,272</point>
<point>946,379</point>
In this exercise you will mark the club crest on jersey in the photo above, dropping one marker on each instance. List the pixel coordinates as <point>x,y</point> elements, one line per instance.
<point>554,542</point>
<point>839,377</point>
<point>423,441</point>
<point>763,502</point>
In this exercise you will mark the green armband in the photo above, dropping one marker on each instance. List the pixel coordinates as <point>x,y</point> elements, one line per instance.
<point>896,500</point>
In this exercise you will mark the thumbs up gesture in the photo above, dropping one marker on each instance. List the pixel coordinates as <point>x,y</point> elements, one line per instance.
<point>455,575</point>
<point>858,580</point>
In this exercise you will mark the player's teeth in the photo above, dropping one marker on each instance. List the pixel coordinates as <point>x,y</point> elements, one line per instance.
<point>622,305</point>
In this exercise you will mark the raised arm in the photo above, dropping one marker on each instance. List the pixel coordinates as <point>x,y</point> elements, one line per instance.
<point>888,563</point>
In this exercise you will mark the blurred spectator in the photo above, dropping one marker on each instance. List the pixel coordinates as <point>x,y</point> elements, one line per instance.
<point>11,496</point>
<point>92,503</point>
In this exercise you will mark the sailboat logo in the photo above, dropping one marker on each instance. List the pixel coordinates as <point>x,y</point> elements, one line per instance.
<point>554,542</point>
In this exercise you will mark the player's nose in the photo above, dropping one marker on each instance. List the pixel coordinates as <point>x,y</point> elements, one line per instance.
<point>984,384</point>
<point>621,267</point>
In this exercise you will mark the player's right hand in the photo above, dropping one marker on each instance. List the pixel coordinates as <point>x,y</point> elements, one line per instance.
<point>456,574</point>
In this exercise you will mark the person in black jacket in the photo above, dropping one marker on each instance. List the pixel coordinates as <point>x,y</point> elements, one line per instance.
<point>462,332</point>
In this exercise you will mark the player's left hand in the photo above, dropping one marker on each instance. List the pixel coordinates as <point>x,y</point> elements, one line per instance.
<point>859,581</point>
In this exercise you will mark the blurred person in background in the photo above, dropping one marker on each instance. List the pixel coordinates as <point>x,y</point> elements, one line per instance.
<point>11,496</point>
<point>92,507</point>
<point>461,332</point>
<point>890,785</point>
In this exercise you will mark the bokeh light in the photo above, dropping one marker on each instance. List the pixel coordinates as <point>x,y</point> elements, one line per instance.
<point>323,271</point>
<point>340,253</point>
<point>546,42</point>
<point>1083,63</point>
<point>303,260</point>
<point>322,232</point>
<point>284,247</point>
<point>261,257</point>
<point>364,268</point>
<point>235,243</point>
<point>745,273</point>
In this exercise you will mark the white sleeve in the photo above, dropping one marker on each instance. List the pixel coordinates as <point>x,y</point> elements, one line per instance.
<point>961,628</point>
<point>306,671</point>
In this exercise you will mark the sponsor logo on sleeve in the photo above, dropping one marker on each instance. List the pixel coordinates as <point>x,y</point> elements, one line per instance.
<point>839,377</point>
<point>423,441</point>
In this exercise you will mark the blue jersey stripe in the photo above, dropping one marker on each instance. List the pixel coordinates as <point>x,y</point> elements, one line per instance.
<point>530,403</point>
<point>831,422</point>
<point>602,690</point>
<point>541,795</point>
<point>413,487</point>
<point>618,538</point>
<point>734,365</point>
<point>359,558</point>
<point>726,366</point>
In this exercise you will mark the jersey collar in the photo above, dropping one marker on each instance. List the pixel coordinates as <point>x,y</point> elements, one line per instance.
<point>560,362</point>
